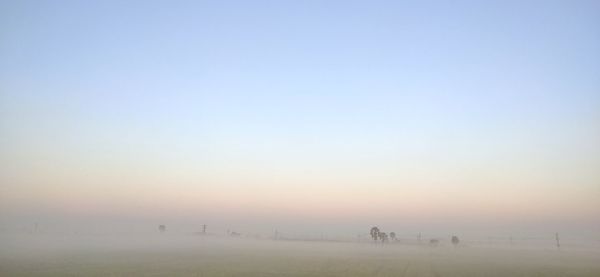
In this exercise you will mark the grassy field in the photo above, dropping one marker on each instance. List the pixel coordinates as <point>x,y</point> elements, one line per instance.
<point>206,256</point>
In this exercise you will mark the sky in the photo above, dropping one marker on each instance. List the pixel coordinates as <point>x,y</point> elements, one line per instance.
<point>343,114</point>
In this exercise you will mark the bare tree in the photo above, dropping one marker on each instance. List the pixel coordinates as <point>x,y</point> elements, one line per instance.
<point>393,236</point>
<point>375,232</point>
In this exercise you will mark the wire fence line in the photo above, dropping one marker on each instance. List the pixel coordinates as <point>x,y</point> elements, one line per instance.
<point>541,241</point>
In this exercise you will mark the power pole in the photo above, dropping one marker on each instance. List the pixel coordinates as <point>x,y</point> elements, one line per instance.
<point>204,229</point>
<point>557,240</point>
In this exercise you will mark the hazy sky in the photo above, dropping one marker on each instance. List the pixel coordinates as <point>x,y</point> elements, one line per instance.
<point>349,112</point>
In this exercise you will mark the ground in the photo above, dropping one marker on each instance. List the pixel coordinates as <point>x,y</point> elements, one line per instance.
<point>210,256</point>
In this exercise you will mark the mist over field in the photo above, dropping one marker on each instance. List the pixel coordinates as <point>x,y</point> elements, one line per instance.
<point>115,248</point>
<point>211,255</point>
<point>299,138</point>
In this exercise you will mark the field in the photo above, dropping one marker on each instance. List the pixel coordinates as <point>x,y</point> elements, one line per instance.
<point>42,255</point>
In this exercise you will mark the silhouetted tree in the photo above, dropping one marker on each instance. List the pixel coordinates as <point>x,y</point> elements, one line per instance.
<point>455,240</point>
<point>162,228</point>
<point>383,236</point>
<point>392,235</point>
<point>375,233</point>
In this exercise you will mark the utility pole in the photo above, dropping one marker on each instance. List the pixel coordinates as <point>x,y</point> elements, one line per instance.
<point>204,229</point>
<point>557,240</point>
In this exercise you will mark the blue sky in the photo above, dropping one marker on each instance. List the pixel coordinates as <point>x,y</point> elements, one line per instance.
<point>275,96</point>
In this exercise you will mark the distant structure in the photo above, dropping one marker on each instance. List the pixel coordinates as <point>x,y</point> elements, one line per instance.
<point>204,229</point>
<point>434,242</point>
<point>557,241</point>
<point>162,228</point>
<point>419,238</point>
<point>393,236</point>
